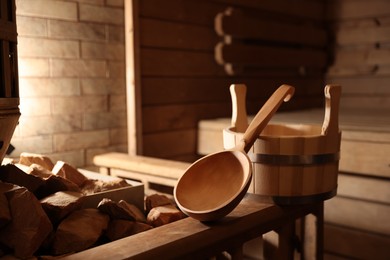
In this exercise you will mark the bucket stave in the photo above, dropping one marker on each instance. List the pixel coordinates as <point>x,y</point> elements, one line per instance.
<point>296,163</point>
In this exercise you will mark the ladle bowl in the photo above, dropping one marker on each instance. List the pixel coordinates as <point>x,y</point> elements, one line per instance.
<point>214,185</point>
<point>205,195</point>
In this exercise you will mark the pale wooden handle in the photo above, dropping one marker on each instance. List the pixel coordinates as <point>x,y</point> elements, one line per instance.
<point>239,115</point>
<point>330,126</point>
<point>283,93</point>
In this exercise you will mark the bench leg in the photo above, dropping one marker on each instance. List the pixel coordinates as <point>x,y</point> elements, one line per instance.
<point>279,244</point>
<point>313,234</point>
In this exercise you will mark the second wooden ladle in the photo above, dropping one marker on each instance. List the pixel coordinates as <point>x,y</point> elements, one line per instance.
<point>214,185</point>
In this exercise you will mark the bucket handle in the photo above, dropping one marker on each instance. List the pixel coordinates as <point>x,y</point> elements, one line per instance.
<point>239,115</point>
<point>330,126</point>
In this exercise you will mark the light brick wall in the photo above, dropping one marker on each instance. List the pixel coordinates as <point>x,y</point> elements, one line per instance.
<point>72,79</point>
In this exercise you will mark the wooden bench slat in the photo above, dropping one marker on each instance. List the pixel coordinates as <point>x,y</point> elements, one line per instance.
<point>142,164</point>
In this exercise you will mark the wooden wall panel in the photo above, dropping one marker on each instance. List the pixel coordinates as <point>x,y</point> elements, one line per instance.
<point>357,218</point>
<point>301,8</point>
<point>181,82</point>
<point>361,48</point>
<point>169,34</point>
<point>345,9</point>
<point>159,91</point>
<point>361,65</point>
<point>358,214</point>
<point>189,12</point>
<point>351,243</point>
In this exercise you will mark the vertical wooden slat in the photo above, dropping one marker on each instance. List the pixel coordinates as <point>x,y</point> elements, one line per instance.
<point>134,122</point>
<point>279,244</point>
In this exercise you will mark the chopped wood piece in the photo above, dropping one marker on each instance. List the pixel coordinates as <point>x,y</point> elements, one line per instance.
<point>120,228</point>
<point>60,204</point>
<point>162,215</point>
<point>29,226</point>
<point>68,172</point>
<point>137,214</point>
<point>5,215</point>
<point>12,174</point>
<point>53,183</point>
<point>32,158</point>
<point>121,210</point>
<point>7,161</point>
<point>79,231</point>
<point>94,186</point>
<point>156,200</point>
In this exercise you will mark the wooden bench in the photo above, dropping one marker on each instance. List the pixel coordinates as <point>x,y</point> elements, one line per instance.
<point>166,172</point>
<point>191,239</point>
<point>147,170</point>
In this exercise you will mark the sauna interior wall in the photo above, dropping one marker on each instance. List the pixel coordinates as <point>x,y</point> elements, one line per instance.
<point>356,225</point>
<point>180,82</point>
<point>71,57</point>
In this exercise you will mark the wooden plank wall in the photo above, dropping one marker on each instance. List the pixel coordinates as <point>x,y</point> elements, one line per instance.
<point>361,52</point>
<point>357,220</point>
<point>181,82</point>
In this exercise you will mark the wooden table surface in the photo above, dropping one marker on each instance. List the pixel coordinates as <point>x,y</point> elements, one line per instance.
<point>191,239</point>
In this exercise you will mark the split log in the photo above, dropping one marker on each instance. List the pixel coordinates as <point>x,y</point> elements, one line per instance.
<point>156,200</point>
<point>121,210</point>
<point>29,226</point>
<point>93,186</point>
<point>5,214</point>
<point>163,215</point>
<point>32,158</point>
<point>68,172</point>
<point>79,231</point>
<point>60,204</point>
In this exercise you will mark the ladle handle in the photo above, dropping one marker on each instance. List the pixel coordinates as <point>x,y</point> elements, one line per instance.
<point>239,115</point>
<point>330,126</point>
<point>283,93</point>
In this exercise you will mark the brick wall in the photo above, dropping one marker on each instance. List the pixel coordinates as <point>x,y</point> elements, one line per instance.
<point>72,79</point>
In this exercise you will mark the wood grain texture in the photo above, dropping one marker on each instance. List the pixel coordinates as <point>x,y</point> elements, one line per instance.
<point>364,187</point>
<point>263,56</point>
<point>313,9</point>
<point>359,214</point>
<point>360,51</point>
<point>181,83</point>
<point>241,25</point>
<point>351,10</point>
<point>193,239</point>
<point>355,243</point>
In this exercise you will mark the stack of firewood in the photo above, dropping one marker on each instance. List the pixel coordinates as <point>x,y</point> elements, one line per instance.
<point>42,213</point>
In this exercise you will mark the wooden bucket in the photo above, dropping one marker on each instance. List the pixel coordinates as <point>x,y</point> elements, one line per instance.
<point>296,163</point>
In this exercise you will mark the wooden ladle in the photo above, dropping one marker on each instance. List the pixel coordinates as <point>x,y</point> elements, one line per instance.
<point>214,185</point>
